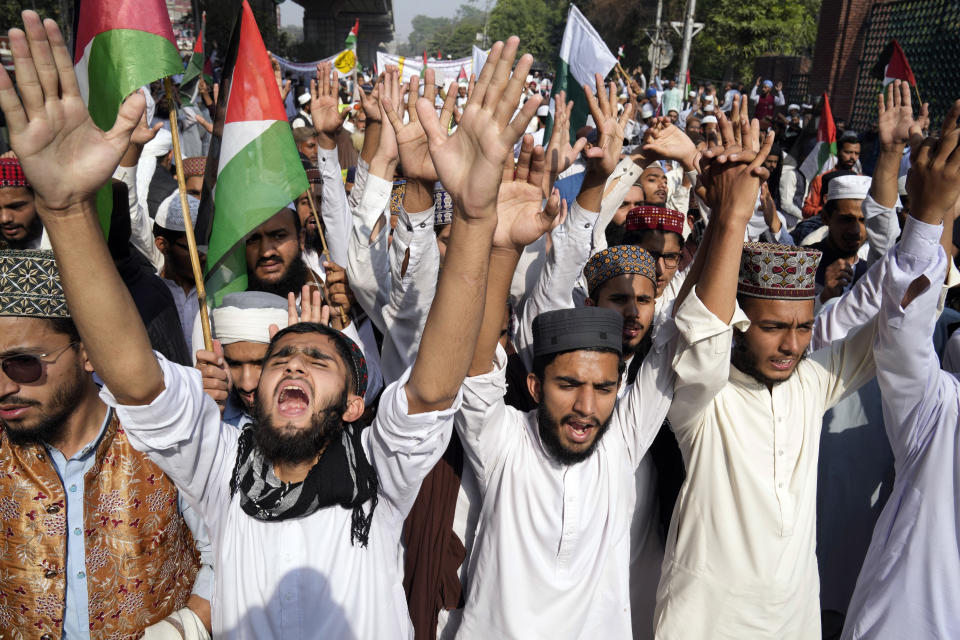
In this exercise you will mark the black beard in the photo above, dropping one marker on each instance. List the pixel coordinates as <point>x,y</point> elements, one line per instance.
<point>746,361</point>
<point>302,445</point>
<point>53,421</point>
<point>548,428</point>
<point>33,234</point>
<point>292,279</point>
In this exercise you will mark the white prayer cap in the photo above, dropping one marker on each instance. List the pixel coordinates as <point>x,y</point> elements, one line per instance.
<point>793,107</point>
<point>708,98</point>
<point>543,110</point>
<point>709,119</point>
<point>246,316</point>
<point>848,188</point>
<point>303,98</point>
<point>646,111</point>
<point>161,144</point>
<point>693,94</point>
<point>708,108</point>
<point>170,212</point>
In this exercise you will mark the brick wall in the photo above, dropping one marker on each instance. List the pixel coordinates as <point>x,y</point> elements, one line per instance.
<point>837,51</point>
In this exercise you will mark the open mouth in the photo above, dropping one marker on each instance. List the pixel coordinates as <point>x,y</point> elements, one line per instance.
<point>632,330</point>
<point>293,399</point>
<point>784,364</point>
<point>579,431</point>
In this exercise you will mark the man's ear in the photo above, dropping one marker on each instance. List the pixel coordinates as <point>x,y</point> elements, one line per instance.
<point>354,410</point>
<point>84,360</point>
<point>534,386</point>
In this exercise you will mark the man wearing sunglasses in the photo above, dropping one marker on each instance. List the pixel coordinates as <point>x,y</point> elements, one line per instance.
<point>92,526</point>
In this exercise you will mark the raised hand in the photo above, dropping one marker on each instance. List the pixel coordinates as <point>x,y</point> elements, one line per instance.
<point>666,141</point>
<point>338,294</point>
<point>733,171</point>
<point>521,215</point>
<point>836,278</point>
<point>411,138</point>
<point>312,309</point>
<point>214,373</point>
<point>470,162</point>
<point>282,85</point>
<point>370,102</point>
<point>64,155</point>
<point>896,125</point>
<point>605,155</point>
<point>324,103</point>
<point>388,92</point>
<point>933,182</point>
<point>560,154</point>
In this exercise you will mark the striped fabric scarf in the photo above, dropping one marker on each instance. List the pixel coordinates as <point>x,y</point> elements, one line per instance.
<point>343,476</point>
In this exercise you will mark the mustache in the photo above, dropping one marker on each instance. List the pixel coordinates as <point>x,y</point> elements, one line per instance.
<point>19,400</point>
<point>263,261</point>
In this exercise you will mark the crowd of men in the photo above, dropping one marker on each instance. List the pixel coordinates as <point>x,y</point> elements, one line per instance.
<point>643,382</point>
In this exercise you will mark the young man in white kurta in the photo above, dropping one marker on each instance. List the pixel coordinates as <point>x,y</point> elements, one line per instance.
<point>740,554</point>
<point>552,553</point>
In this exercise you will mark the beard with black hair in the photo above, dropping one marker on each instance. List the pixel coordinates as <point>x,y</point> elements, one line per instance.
<point>549,428</point>
<point>292,279</point>
<point>52,420</point>
<point>746,361</point>
<point>293,446</point>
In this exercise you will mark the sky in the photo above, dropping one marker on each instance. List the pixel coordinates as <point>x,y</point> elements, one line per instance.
<point>403,12</point>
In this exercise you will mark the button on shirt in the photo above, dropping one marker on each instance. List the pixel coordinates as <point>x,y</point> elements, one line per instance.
<point>552,554</point>
<point>302,577</point>
<point>740,553</point>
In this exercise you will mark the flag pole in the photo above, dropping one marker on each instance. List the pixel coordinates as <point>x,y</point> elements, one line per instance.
<point>323,242</point>
<point>187,221</point>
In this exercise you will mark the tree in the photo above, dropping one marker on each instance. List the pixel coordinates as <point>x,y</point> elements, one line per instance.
<point>424,30</point>
<point>736,32</point>
<point>539,23</point>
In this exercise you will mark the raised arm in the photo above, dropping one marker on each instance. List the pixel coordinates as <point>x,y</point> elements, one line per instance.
<point>67,158</point>
<point>908,371</point>
<point>732,183</point>
<point>470,164</point>
<point>327,120</point>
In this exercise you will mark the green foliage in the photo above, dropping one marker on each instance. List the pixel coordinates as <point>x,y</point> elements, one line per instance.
<point>736,32</point>
<point>10,11</point>
<point>539,23</point>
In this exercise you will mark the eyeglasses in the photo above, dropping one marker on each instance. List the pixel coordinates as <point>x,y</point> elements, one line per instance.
<point>26,368</point>
<point>670,260</point>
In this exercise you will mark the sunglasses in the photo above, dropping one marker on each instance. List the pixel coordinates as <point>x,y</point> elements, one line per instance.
<point>26,368</point>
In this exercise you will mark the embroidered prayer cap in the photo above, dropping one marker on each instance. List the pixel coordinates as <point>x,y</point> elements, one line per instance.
<point>396,196</point>
<point>655,218</point>
<point>314,176</point>
<point>617,261</point>
<point>442,206</point>
<point>11,173</point>
<point>30,285</point>
<point>573,329</point>
<point>303,99</point>
<point>194,166</point>
<point>246,316</point>
<point>777,271</point>
<point>848,187</point>
<point>709,120</point>
<point>170,212</point>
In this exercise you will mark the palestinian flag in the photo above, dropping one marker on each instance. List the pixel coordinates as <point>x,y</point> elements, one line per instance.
<point>823,157</point>
<point>198,66</point>
<point>423,69</point>
<point>582,54</point>
<point>253,167</point>
<point>687,87</point>
<point>121,45</point>
<point>351,41</point>
<point>892,65</point>
<point>462,75</point>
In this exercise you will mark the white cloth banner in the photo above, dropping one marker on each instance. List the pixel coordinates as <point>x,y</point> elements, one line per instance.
<point>308,69</point>
<point>584,50</point>
<point>447,70</point>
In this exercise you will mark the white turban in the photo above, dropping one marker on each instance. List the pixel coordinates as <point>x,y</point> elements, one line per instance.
<point>246,317</point>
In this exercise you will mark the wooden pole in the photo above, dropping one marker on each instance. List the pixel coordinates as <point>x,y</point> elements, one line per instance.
<point>344,320</point>
<point>188,222</point>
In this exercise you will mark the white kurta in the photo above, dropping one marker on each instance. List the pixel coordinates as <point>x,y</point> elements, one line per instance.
<point>552,552</point>
<point>298,578</point>
<point>910,583</point>
<point>740,557</point>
